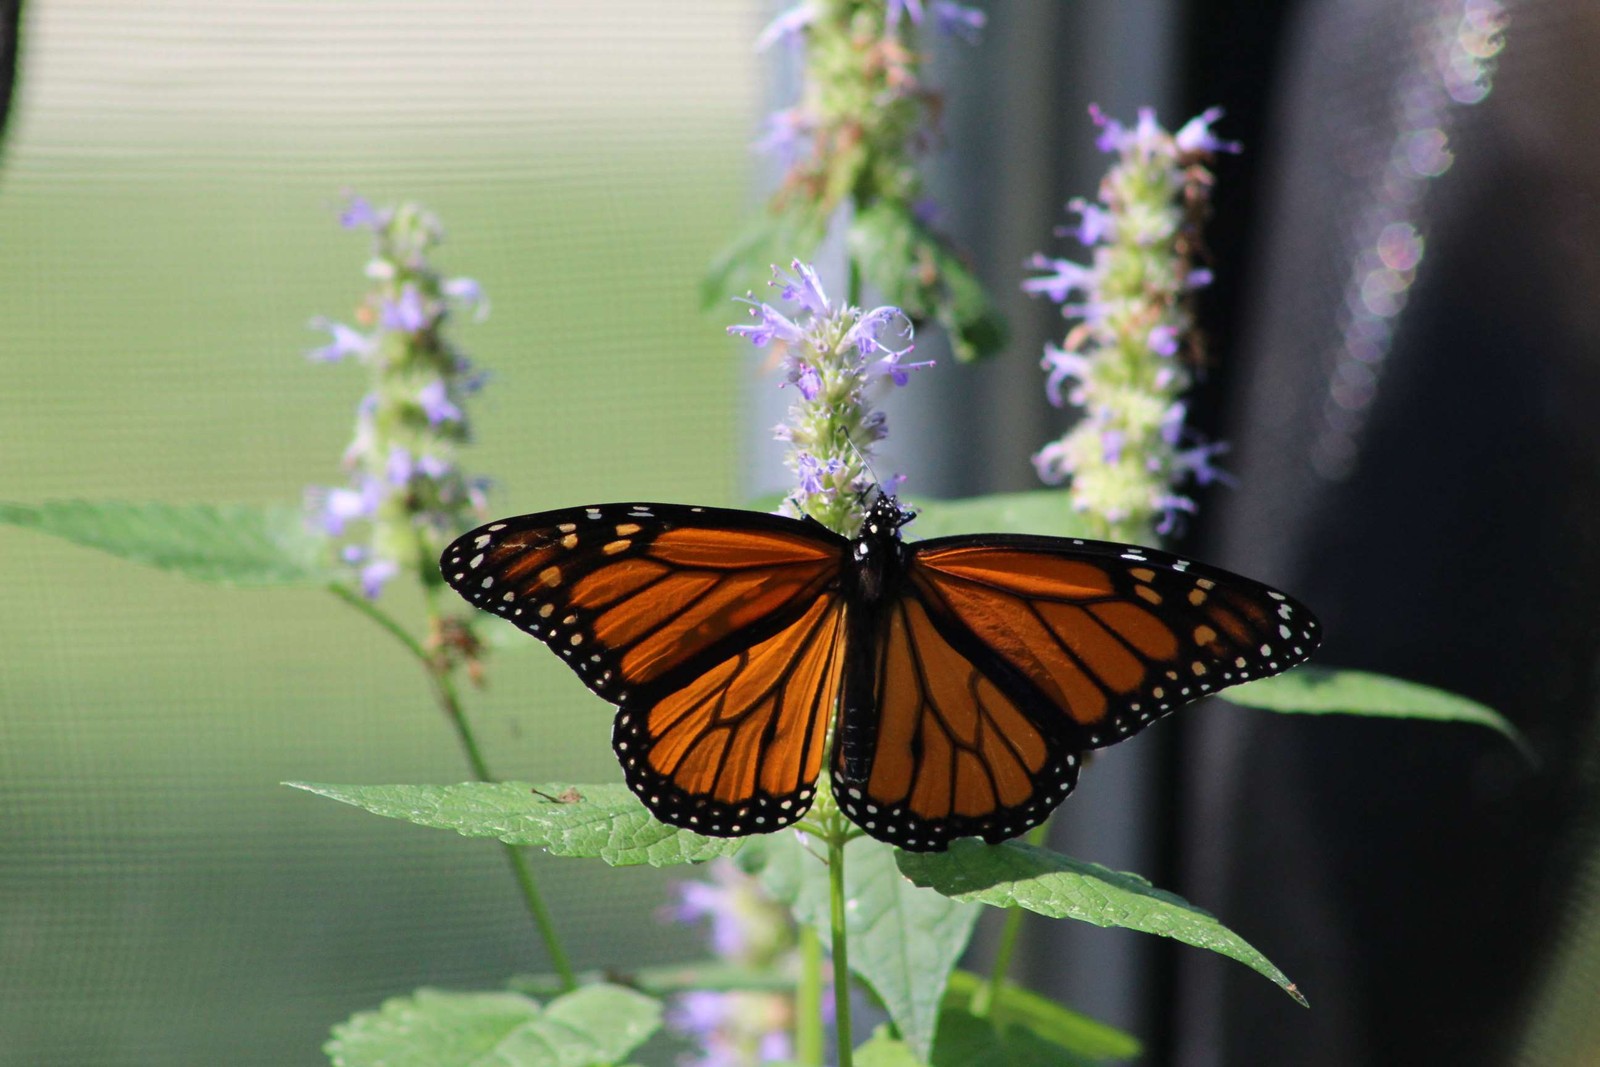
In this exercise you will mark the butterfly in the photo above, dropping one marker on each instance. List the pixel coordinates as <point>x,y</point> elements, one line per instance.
<point>962,678</point>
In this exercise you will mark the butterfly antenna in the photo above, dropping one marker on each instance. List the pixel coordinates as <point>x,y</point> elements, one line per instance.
<point>866,463</point>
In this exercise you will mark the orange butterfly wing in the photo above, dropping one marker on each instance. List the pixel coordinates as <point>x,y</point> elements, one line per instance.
<point>1005,656</point>
<point>718,633</point>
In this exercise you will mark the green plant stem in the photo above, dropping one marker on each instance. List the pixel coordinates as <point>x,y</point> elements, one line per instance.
<point>808,999</point>
<point>841,953</point>
<point>988,995</point>
<point>449,701</point>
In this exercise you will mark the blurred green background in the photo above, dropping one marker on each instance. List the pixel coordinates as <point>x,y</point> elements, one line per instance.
<point>167,229</point>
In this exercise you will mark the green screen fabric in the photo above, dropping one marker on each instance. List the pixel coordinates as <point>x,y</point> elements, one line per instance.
<point>167,230</point>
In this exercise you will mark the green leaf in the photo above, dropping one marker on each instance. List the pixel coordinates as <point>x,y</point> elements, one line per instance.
<point>904,941</point>
<point>605,821</point>
<point>772,239</point>
<point>882,1050</point>
<point>1065,888</point>
<point>1047,511</point>
<point>597,1024</point>
<point>1321,691</point>
<point>968,1041</point>
<point>232,544</point>
<point>1080,1035</point>
<point>917,270</point>
<point>669,979</point>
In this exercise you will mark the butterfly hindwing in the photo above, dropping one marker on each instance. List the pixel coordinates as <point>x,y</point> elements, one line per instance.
<point>930,747</point>
<point>737,750</point>
<point>716,633</point>
<point>1113,636</point>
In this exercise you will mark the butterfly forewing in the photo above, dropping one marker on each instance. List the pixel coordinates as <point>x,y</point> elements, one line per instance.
<point>1114,636</point>
<point>639,597</point>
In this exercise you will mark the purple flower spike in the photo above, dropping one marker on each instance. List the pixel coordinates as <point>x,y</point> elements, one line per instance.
<point>409,314</point>
<point>346,342</point>
<point>436,405</point>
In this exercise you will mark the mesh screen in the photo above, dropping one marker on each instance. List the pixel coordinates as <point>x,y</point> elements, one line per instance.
<point>166,231</point>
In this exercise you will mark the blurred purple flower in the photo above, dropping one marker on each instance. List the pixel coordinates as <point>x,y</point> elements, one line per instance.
<point>409,314</point>
<point>436,404</point>
<point>1065,276</point>
<point>375,575</point>
<point>346,342</point>
<point>959,20</point>
<point>1196,137</point>
<point>359,212</point>
<point>788,27</point>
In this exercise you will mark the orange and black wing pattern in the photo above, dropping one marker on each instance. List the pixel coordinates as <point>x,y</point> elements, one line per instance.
<point>937,740</point>
<point>718,634</point>
<point>1112,635</point>
<point>1004,657</point>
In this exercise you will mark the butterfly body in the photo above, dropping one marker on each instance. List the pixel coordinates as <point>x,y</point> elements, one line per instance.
<point>962,677</point>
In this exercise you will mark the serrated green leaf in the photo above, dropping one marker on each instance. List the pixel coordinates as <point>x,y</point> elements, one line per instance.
<point>1065,888</point>
<point>904,941</point>
<point>432,1028</point>
<point>1047,512</point>
<point>603,821</point>
<point>229,544</point>
<point>1073,1031</point>
<point>1324,691</point>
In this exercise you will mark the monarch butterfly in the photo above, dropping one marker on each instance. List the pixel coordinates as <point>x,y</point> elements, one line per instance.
<point>964,677</point>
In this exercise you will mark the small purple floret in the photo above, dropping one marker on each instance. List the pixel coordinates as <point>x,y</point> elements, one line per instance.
<point>436,404</point>
<point>346,342</point>
<point>1065,276</point>
<point>409,314</point>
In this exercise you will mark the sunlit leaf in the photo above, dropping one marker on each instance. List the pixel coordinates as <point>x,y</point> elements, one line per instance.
<point>603,821</point>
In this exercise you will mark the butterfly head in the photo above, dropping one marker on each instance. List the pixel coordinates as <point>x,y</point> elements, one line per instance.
<point>885,517</point>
